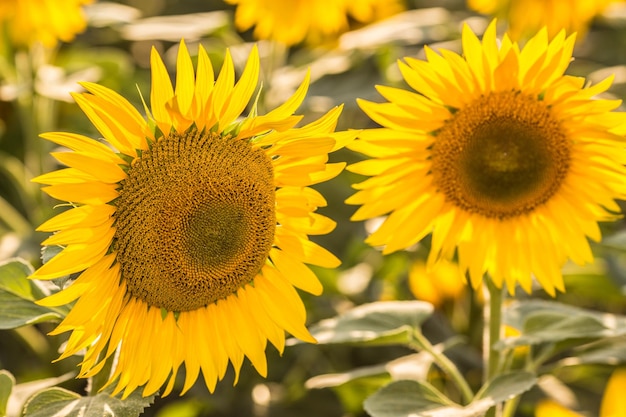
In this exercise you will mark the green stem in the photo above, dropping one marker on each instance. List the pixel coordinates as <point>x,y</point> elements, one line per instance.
<point>493,329</point>
<point>510,407</point>
<point>445,364</point>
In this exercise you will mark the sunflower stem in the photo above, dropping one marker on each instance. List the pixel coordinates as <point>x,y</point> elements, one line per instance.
<point>510,407</point>
<point>493,330</point>
<point>445,364</point>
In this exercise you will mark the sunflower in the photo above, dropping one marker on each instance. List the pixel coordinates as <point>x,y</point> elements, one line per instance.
<point>438,284</point>
<point>45,21</point>
<point>525,17</point>
<point>189,228</point>
<point>506,162</point>
<point>294,21</point>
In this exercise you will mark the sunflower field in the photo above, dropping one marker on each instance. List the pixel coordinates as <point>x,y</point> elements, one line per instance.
<point>347,208</point>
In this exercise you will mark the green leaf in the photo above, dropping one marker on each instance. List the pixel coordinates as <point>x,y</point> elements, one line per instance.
<point>58,401</point>
<point>379,323</point>
<point>408,398</point>
<point>14,275</point>
<point>17,312</point>
<point>615,241</point>
<point>22,392</point>
<point>605,351</point>
<point>502,388</point>
<point>17,296</point>
<point>414,366</point>
<point>550,321</point>
<point>7,381</point>
<point>418,399</point>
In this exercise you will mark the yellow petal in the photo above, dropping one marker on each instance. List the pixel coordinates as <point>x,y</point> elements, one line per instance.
<point>83,283</point>
<point>613,401</point>
<point>87,193</point>
<point>75,258</point>
<point>184,79</point>
<point>125,114</point>
<point>76,235</point>
<point>243,90</point>
<point>223,88</point>
<point>298,274</point>
<point>84,145</point>
<point>280,310</point>
<point>98,168</point>
<point>161,92</point>
<point>85,216</point>
<point>106,125</point>
<point>64,176</point>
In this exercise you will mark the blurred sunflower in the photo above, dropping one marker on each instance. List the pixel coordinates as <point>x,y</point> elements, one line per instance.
<point>193,234</point>
<point>45,21</point>
<point>613,402</point>
<point>313,21</point>
<point>505,160</point>
<point>442,282</point>
<point>526,17</point>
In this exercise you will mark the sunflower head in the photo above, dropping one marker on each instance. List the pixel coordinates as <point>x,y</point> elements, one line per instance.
<point>506,161</point>
<point>189,228</point>
<point>317,20</point>
<point>526,17</point>
<point>47,21</point>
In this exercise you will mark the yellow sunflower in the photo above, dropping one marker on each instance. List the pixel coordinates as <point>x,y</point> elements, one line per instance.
<point>505,160</point>
<point>191,235</point>
<point>45,21</point>
<point>438,284</point>
<point>526,17</point>
<point>295,21</point>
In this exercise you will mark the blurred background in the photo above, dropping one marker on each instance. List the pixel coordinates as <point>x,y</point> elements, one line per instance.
<point>114,51</point>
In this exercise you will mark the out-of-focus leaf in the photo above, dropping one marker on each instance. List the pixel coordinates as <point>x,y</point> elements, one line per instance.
<point>14,279</point>
<point>6,386</point>
<point>410,367</point>
<point>17,295</point>
<point>57,401</point>
<point>418,399</point>
<point>501,388</point>
<point>21,392</point>
<point>607,352</point>
<point>379,323</point>
<point>16,312</point>
<point>407,398</point>
<point>615,241</point>
<point>595,283</point>
<point>352,394</point>
<point>548,321</point>
<point>414,366</point>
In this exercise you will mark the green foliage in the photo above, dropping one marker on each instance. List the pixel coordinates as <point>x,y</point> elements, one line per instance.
<point>18,295</point>
<point>420,399</point>
<point>549,321</point>
<point>7,381</point>
<point>381,323</point>
<point>57,401</point>
<point>392,358</point>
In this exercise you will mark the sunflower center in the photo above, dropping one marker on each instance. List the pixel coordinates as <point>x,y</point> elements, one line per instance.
<point>195,220</point>
<point>501,156</point>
